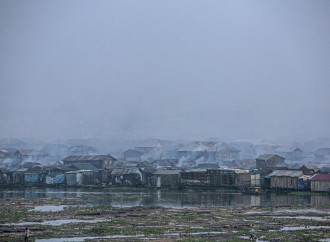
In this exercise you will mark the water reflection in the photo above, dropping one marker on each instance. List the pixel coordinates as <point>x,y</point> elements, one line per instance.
<point>165,198</point>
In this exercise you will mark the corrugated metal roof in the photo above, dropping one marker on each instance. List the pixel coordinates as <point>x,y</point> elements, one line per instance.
<point>148,169</point>
<point>61,168</point>
<point>310,166</point>
<point>196,146</point>
<point>196,170</point>
<point>208,165</point>
<point>290,173</point>
<point>87,157</point>
<point>124,171</point>
<point>132,152</point>
<point>165,162</point>
<point>22,169</point>
<point>321,177</point>
<point>79,171</point>
<point>229,170</point>
<point>167,172</point>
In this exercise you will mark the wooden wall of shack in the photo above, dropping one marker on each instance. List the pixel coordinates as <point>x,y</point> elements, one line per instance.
<point>16,177</point>
<point>106,176</point>
<point>166,180</point>
<point>243,180</point>
<point>221,178</point>
<point>194,178</point>
<point>94,178</point>
<point>285,182</point>
<point>320,186</point>
<point>133,179</point>
<point>255,180</point>
<point>209,178</point>
<point>216,178</point>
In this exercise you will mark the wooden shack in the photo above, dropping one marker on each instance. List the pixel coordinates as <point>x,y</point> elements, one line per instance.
<point>290,153</point>
<point>166,178</point>
<point>243,180</point>
<point>99,161</point>
<point>127,176</point>
<point>222,178</point>
<point>132,155</point>
<point>320,183</point>
<point>30,178</point>
<point>78,178</point>
<point>194,178</point>
<point>165,163</point>
<point>153,147</point>
<point>309,169</point>
<point>255,180</point>
<point>322,154</point>
<point>269,161</point>
<point>285,179</point>
<point>17,176</point>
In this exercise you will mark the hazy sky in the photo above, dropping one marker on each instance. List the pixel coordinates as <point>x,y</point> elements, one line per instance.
<point>167,69</point>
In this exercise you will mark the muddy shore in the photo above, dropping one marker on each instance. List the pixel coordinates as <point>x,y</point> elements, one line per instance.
<point>63,219</point>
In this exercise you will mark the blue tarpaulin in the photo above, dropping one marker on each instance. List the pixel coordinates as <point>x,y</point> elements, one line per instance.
<point>59,179</point>
<point>302,184</point>
<point>31,177</point>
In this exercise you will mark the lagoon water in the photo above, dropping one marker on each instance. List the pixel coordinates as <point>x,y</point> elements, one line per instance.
<point>165,198</point>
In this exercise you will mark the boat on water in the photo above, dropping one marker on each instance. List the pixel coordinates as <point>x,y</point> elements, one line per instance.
<point>252,190</point>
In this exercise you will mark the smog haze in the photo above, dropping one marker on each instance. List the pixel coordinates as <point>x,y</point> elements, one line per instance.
<point>167,69</point>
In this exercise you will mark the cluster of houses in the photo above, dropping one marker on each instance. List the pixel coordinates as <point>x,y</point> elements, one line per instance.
<point>189,154</point>
<point>161,163</point>
<point>195,152</point>
<point>198,152</point>
<point>10,157</point>
<point>270,172</point>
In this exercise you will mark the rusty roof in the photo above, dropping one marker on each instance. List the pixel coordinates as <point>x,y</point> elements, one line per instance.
<point>321,177</point>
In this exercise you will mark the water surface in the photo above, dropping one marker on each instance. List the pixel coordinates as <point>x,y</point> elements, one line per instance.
<point>165,198</point>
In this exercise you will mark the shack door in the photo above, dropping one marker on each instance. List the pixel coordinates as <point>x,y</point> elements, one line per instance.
<point>79,179</point>
<point>159,181</point>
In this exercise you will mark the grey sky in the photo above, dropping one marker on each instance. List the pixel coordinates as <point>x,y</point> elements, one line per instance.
<point>168,69</point>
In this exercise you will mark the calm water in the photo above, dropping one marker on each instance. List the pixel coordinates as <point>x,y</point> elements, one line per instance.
<point>165,198</point>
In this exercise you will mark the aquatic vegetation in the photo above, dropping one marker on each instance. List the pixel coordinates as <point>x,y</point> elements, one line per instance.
<point>16,214</point>
<point>187,224</point>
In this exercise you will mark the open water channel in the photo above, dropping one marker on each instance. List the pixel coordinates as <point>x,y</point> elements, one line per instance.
<point>164,198</point>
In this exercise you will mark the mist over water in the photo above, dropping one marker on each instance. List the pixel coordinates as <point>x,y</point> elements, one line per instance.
<point>173,70</point>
